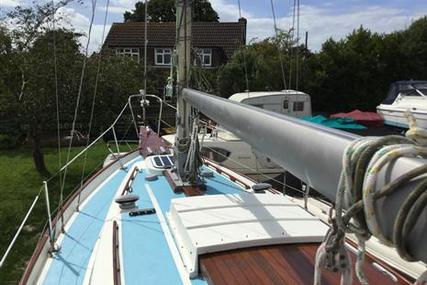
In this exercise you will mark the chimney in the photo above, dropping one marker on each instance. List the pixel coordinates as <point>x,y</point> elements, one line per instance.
<point>243,22</point>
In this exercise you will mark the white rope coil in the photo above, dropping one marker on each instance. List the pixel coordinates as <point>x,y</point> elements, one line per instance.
<point>362,161</point>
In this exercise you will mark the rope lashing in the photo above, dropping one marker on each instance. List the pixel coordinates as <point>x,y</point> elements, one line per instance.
<point>362,161</point>
<point>194,160</point>
<point>415,133</point>
<point>183,145</point>
<point>336,260</point>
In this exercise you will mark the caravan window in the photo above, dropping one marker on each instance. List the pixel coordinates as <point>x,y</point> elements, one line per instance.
<point>299,106</point>
<point>257,105</point>
<point>217,154</point>
<point>285,104</point>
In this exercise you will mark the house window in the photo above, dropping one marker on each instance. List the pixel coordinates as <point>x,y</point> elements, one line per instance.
<point>131,52</point>
<point>163,56</point>
<point>298,106</point>
<point>204,57</point>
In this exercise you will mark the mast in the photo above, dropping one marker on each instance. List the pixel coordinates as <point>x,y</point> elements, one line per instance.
<point>183,45</point>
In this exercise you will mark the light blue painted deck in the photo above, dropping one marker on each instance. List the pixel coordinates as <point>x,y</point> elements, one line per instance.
<point>69,265</point>
<point>145,252</point>
<point>146,255</point>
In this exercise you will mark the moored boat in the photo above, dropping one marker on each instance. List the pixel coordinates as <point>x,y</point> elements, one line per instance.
<point>403,97</point>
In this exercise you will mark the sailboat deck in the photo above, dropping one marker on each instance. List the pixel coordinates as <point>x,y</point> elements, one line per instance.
<point>145,255</point>
<point>77,244</point>
<point>104,245</point>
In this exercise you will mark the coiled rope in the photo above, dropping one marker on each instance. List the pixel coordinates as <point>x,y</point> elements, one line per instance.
<point>362,161</point>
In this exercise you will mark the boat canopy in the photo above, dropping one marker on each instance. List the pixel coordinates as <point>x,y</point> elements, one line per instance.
<point>336,123</point>
<point>369,119</point>
<point>405,88</point>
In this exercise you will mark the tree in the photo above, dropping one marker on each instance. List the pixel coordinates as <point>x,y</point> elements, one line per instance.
<point>9,130</point>
<point>347,74</point>
<point>5,55</point>
<point>33,88</point>
<point>164,11</point>
<point>263,66</point>
<point>414,49</point>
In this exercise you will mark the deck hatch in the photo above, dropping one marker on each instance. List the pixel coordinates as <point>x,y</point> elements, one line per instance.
<point>212,223</point>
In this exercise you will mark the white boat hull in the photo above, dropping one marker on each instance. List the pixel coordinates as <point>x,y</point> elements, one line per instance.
<point>394,116</point>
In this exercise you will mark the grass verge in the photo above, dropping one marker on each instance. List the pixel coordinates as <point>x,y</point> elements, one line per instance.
<point>19,185</point>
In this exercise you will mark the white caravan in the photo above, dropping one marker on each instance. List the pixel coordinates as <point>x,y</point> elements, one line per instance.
<point>289,102</point>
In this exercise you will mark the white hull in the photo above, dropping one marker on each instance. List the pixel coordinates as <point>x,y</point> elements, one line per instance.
<point>395,116</point>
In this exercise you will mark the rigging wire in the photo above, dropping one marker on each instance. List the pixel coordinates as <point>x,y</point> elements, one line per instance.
<point>291,48</point>
<point>254,170</point>
<point>145,47</point>
<point>144,100</point>
<point>55,60</point>
<point>297,50</point>
<point>21,226</point>
<point>76,109</point>
<point>89,146</point>
<point>94,97</point>
<point>244,53</point>
<point>279,46</point>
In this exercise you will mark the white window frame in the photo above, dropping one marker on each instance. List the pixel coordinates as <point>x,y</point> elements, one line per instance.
<point>128,51</point>
<point>203,53</point>
<point>162,52</point>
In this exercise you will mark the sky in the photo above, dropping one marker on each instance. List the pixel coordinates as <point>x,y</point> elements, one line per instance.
<point>322,19</point>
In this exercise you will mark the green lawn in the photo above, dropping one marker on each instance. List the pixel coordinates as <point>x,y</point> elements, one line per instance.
<point>19,184</point>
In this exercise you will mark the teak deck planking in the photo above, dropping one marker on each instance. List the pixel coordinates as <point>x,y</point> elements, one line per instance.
<point>280,264</point>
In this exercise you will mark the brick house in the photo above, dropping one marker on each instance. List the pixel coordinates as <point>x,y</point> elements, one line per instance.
<point>214,42</point>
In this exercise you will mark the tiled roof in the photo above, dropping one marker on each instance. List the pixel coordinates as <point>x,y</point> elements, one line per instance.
<point>227,35</point>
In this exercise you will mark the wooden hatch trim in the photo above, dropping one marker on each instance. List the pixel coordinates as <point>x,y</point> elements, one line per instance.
<point>194,190</point>
<point>130,181</point>
<point>116,255</point>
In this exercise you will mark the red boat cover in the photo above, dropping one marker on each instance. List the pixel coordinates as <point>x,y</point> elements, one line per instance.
<point>369,119</point>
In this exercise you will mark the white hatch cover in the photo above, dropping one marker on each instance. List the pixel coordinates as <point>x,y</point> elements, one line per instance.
<point>214,223</point>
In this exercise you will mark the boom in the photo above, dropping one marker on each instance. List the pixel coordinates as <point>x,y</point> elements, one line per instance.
<point>312,153</point>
